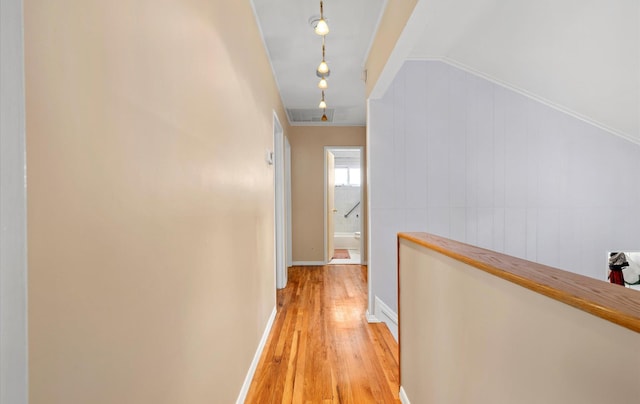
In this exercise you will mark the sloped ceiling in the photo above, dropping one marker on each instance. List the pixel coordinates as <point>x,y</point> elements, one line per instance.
<point>581,56</point>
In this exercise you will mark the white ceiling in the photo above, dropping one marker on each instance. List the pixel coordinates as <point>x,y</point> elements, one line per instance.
<point>582,57</point>
<point>295,52</point>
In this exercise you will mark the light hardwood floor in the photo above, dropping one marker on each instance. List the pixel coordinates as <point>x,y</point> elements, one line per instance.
<point>321,348</point>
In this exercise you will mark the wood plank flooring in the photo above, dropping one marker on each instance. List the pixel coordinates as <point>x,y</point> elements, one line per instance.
<point>321,348</point>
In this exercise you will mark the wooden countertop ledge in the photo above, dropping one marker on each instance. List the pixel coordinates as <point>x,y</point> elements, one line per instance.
<point>610,302</point>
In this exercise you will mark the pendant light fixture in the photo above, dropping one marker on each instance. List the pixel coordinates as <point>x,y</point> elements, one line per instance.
<point>323,104</point>
<point>321,27</point>
<point>323,67</point>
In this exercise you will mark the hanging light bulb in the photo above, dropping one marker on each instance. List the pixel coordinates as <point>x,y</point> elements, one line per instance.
<point>322,84</point>
<point>323,67</point>
<point>322,105</point>
<point>324,116</point>
<point>321,27</point>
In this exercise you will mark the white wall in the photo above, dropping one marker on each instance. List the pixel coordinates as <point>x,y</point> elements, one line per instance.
<point>346,197</point>
<point>456,155</point>
<point>581,55</point>
<point>13,262</point>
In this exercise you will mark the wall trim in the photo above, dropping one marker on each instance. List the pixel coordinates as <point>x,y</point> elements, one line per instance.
<point>307,263</point>
<point>279,204</point>
<point>528,94</point>
<point>403,396</point>
<point>370,295</point>
<point>371,318</point>
<point>256,358</point>
<point>385,3</point>
<point>266,51</point>
<point>338,124</point>
<point>387,316</point>
<point>405,43</point>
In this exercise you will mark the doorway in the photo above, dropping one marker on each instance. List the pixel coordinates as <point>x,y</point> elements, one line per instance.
<point>343,205</point>
<point>282,202</point>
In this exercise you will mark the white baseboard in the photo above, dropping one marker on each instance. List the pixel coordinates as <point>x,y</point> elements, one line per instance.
<point>403,396</point>
<point>371,318</point>
<point>387,316</point>
<point>307,263</point>
<point>256,359</point>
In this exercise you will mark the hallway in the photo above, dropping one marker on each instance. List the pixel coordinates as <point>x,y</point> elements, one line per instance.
<point>321,348</point>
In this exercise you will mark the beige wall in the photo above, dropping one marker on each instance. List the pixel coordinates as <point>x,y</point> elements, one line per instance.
<point>394,19</point>
<point>467,336</point>
<point>307,184</point>
<point>150,204</point>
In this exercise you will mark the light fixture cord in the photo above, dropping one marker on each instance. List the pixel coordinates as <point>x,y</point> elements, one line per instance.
<point>321,11</point>
<point>323,48</point>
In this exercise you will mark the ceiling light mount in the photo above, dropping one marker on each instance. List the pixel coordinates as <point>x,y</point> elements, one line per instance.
<point>319,24</point>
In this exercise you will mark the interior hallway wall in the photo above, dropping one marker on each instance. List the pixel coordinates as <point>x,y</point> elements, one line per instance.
<point>150,203</point>
<point>307,184</point>
<point>461,157</point>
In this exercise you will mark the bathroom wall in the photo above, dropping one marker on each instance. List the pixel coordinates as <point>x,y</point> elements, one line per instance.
<point>459,156</point>
<point>346,197</point>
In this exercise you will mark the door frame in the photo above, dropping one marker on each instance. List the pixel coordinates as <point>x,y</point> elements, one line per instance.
<point>279,204</point>
<point>324,192</point>
<point>14,366</point>
<point>287,200</point>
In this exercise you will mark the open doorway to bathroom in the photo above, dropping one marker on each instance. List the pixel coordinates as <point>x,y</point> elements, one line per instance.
<point>343,205</point>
